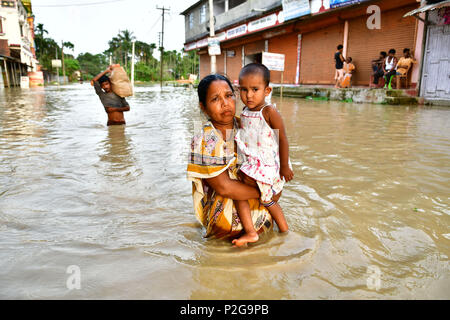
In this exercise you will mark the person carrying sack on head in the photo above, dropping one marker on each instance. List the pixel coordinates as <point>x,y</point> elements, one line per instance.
<point>114,105</point>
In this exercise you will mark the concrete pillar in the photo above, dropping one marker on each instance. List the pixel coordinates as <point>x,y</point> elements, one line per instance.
<point>14,82</point>
<point>418,49</point>
<point>8,84</point>
<point>345,42</point>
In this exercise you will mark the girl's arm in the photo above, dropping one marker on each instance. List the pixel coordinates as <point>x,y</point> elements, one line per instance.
<point>233,189</point>
<point>275,121</point>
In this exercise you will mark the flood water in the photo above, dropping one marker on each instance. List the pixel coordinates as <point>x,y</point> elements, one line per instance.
<point>368,209</point>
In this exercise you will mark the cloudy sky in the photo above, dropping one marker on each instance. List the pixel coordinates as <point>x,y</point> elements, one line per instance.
<point>90,24</point>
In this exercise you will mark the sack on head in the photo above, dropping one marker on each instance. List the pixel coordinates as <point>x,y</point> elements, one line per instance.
<point>120,84</point>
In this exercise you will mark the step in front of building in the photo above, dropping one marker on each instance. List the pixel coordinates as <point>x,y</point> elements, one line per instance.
<point>357,95</point>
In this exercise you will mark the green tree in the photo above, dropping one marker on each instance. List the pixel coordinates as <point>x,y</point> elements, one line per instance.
<point>71,66</point>
<point>91,65</point>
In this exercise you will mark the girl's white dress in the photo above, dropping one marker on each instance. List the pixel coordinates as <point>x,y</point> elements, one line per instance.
<point>258,148</point>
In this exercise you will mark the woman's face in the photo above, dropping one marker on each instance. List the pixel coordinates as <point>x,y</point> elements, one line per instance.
<point>220,103</point>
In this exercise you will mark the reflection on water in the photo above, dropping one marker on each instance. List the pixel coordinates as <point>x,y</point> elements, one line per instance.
<point>368,208</point>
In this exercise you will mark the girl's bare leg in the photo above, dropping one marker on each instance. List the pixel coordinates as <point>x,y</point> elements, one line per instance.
<point>250,235</point>
<point>277,214</point>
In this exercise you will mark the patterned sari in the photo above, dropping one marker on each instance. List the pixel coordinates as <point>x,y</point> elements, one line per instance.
<point>210,156</point>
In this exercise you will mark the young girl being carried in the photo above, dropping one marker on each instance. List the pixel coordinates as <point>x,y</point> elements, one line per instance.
<point>263,144</point>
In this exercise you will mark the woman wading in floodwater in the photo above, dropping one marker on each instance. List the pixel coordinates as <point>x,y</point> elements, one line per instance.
<point>212,166</point>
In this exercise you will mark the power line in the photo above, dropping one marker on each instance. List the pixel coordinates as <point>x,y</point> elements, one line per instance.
<point>76,4</point>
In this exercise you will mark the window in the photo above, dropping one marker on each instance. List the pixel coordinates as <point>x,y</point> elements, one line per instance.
<point>191,20</point>
<point>234,3</point>
<point>203,13</point>
<point>219,7</point>
<point>8,4</point>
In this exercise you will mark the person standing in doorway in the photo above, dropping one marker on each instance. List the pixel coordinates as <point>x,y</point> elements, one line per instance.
<point>339,64</point>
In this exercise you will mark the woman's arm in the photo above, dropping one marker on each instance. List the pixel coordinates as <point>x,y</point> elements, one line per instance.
<point>275,121</point>
<point>233,189</point>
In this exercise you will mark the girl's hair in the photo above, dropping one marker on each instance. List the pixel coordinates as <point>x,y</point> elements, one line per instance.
<point>256,68</point>
<point>204,84</point>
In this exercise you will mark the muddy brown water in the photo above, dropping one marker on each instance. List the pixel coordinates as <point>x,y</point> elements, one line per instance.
<point>368,208</point>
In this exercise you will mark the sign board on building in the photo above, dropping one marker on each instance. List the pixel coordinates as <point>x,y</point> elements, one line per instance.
<point>56,63</point>
<point>342,3</point>
<point>236,32</point>
<point>221,36</point>
<point>256,25</point>
<point>231,53</point>
<point>319,6</point>
<point>214,46</point>
<point>273,61</point>
<point>24,82</point>
<point>262,23</point>
<point>295,8</point>
<point>202,43</point>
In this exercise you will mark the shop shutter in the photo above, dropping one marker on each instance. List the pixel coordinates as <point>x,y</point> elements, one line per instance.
<point>317,54</point>
<point>287,45</point>
<point>364,45</point>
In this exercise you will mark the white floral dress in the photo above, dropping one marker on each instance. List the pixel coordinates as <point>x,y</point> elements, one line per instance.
<point>258,148</point>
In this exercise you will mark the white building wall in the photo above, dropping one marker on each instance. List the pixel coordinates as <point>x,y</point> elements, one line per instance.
<point>17,31</point>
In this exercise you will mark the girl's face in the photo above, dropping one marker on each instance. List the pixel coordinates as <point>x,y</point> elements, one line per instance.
<point>220,103</point>
<point>253,90</point>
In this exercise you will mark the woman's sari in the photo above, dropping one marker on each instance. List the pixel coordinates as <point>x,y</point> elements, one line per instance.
<point>209,157</point>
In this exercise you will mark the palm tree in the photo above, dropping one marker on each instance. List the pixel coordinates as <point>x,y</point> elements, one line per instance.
<point>126,38</point>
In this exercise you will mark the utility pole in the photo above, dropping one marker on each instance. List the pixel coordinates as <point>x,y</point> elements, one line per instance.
<point>57,69</point>
<point>62,58</point>
<point>132,65</point>
<point>163,12</point>
<point>212,33</point>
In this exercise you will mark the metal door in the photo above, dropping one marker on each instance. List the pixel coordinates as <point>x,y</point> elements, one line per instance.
<point>436,69</point>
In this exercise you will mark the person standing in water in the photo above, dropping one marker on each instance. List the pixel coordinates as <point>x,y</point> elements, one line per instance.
<point>114,105</point>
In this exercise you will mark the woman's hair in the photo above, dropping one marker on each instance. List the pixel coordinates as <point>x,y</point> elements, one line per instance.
<point>204,84</point>
<point>350,59</point>
<point>383,53</point>
<point>406,50</point>
<point>253,68</point>
<point>339,47</point>
<point>392,51</point>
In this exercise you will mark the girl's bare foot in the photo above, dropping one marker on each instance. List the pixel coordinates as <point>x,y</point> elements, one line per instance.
<point>246,238</point>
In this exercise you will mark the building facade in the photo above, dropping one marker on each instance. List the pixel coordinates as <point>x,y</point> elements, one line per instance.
<point>17,50</point>
<point>307,32</point>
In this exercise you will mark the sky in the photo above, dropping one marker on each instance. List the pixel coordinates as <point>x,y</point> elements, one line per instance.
<point>90,27</point>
